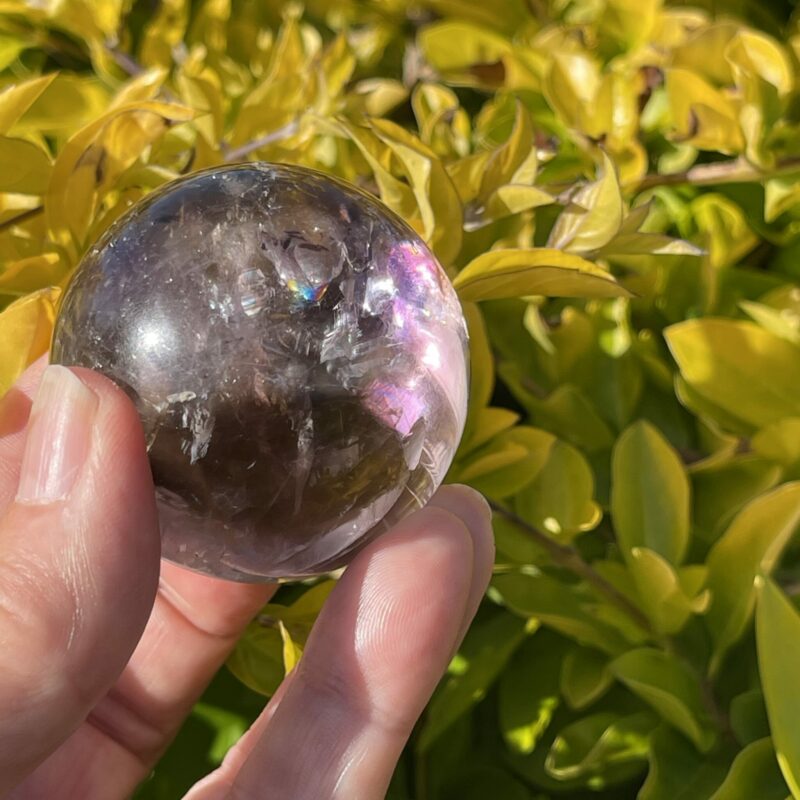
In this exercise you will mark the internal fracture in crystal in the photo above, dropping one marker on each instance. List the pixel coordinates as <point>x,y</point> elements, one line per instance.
<point>297,357</point>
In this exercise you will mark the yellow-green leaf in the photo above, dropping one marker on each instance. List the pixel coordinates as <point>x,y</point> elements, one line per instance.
<point>31,274</point>
<point>670,688</point>
<point>557,606</point>
<point>595,743</point>
<point>528,692</point>
<point>664,598</point>
<point>540,271</point>
<point>24,167</point>
<point>25,330</point>
<point>782,323</point>
<point>594,215</point>
<point>778,637</point>
<point>751,546</point>
<point>649,494</point>
<point>748,372</point>
<point>585,676</point>
<point>560,498</point>
<point>701,114</point>
<point>754,773</point>
<point>455,45</point>
<point>511,460</point>
<point>780,442</point>
<point>17,99</point>
<point>436,196</point>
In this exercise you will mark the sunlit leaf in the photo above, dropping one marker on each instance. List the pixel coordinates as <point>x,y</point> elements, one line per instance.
<point>528,691</point>
<point>725,360</point>
<point>650,494</point>
<point>24,167</point>
<point>17,99</point>
<point>593,743</point>
<point>778,633</point>
<point>750,547</point>
<point>543,271</point>
<point>25,330</point>
<point>670,688</point>
<point>593,217</point>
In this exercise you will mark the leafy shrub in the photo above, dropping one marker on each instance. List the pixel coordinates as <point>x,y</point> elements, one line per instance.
<point>614,187</point>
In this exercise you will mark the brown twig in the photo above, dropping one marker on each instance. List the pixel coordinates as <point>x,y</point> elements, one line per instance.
<point>126,62</point>
<point>20,218</point>
<point>284,132</point>
<point>736,171</point>
<point>569,558</point>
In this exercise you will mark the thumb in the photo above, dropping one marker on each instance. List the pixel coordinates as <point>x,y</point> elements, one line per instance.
<point>79,561</point>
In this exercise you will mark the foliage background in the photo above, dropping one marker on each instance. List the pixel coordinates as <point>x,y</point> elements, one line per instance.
<point>614,187</point>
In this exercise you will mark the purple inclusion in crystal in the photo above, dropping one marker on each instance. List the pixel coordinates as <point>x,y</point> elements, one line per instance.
<point>296,354</point>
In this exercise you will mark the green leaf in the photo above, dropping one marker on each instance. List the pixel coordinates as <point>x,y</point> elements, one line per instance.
<point>585,677</point>
<point>478,783</point>
<point>481,378</point>
<point>592,744</point>
<point>558,606</point>
<point>228,728</point>
<point>542,271</point>
<point>778,637</point>
<point>678,771</point>
<point>510,461</point>
<point>528,691</point>
<point>664,597</point>
<point>649,494</point>
<point>273,643</point>
<point>257,660</point>
<point>748,716</point>
<point>750,547</point>
<point>754,773</point>
<point>748,372</point>
<point>721,489</point>
<point>560,499</point>
<point>482,657</point>
<point>488,423</point>
<point>780,442</point>
<point>670,688</point>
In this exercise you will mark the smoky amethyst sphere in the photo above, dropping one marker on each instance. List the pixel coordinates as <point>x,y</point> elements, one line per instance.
<point>296,354</point>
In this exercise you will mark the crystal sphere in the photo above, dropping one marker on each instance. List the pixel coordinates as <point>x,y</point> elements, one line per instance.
<point>297,356</point>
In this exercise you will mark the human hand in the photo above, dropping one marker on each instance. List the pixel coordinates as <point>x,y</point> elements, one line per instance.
<point>104,649</point>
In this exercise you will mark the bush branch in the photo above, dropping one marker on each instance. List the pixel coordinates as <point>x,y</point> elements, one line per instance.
<point>569,558</point>
<point>737,171</point>
<point>20,218</point>
<point>284,132</point>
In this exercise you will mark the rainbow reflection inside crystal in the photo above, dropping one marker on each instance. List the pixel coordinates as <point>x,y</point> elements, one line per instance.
<point>296,354</point>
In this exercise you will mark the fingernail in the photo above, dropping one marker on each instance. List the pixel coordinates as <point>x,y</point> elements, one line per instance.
<point>59,436</point>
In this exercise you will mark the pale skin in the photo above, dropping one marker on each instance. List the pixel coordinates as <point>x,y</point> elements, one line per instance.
<point>104,648</point>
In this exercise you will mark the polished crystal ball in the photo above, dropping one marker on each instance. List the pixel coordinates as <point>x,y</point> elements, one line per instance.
<point>297,356</point>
